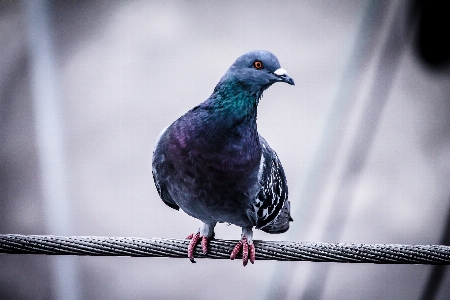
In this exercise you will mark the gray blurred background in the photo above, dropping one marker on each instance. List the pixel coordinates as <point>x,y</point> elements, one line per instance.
<point>364,137</point>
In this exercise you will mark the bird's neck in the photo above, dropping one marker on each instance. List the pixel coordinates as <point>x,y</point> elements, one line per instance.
<point>228,117</point>
<point>235,103</point>
<point>222,130</point>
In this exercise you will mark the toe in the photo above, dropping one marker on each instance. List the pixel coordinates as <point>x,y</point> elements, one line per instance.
<point>251,253</point>
<point>244,252</point>
<point>191,247</point>
<point>205,244</point>
<point>248,251</point>
<point>236,250</point>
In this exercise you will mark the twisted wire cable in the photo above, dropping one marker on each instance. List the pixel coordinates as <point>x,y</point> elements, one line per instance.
<point>221,249</point>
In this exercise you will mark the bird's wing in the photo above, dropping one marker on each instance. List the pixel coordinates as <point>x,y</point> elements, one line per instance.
<point>272,205</point>
<point>160,184</point>
<point>163,193</point>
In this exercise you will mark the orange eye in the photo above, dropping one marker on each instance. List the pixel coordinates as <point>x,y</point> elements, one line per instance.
<point>258,65</point>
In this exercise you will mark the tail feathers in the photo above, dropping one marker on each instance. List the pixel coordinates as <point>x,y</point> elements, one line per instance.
<point>281,223</point>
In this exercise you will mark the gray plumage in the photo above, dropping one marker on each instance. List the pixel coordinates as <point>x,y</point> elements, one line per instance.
<point>213,164</point>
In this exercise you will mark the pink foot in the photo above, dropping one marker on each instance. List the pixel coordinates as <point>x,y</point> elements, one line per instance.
<point>248,251</point>
<point>194,241</point>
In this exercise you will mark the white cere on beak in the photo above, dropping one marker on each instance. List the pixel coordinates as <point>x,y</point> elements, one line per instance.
<point>280,72</point>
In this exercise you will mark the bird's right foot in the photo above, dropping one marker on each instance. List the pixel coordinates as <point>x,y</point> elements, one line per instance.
<point>194,241</point>
<point>206,232</point>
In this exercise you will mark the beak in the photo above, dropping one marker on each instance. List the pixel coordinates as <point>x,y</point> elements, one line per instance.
<point>283,76</point>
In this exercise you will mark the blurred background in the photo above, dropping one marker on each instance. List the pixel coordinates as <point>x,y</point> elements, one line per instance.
<point>364,138</point>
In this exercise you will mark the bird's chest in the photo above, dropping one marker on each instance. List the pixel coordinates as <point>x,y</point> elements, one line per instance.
<point>216,179</point>
<point>220,159</point>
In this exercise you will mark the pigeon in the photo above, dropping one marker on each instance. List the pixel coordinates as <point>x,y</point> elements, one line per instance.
<point>213,164</point>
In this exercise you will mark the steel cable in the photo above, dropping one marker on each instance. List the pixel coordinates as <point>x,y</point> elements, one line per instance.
<point>265,250</point>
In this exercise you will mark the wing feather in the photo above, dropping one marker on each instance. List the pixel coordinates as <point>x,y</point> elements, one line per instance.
<point>272,206</point>
<point>158,159</point>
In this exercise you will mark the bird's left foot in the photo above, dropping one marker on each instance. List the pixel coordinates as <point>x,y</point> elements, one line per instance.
<point>247,246</point>
<point>205,232</point>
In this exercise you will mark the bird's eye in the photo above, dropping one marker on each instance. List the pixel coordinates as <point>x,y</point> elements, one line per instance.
<point>258,65</point>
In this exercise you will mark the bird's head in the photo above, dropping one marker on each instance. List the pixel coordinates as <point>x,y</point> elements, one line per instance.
<point>256,71</point>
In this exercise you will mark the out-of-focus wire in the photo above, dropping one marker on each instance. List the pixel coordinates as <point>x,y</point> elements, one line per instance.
<point>50,142</point>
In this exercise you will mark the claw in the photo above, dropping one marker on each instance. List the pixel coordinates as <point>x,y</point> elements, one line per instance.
<point>248,251</point>
<point>247,246</point>
<point>205,232</point>
<point>194,240</point>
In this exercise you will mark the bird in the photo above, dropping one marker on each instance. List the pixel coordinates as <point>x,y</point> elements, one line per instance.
<point>213,164</point>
